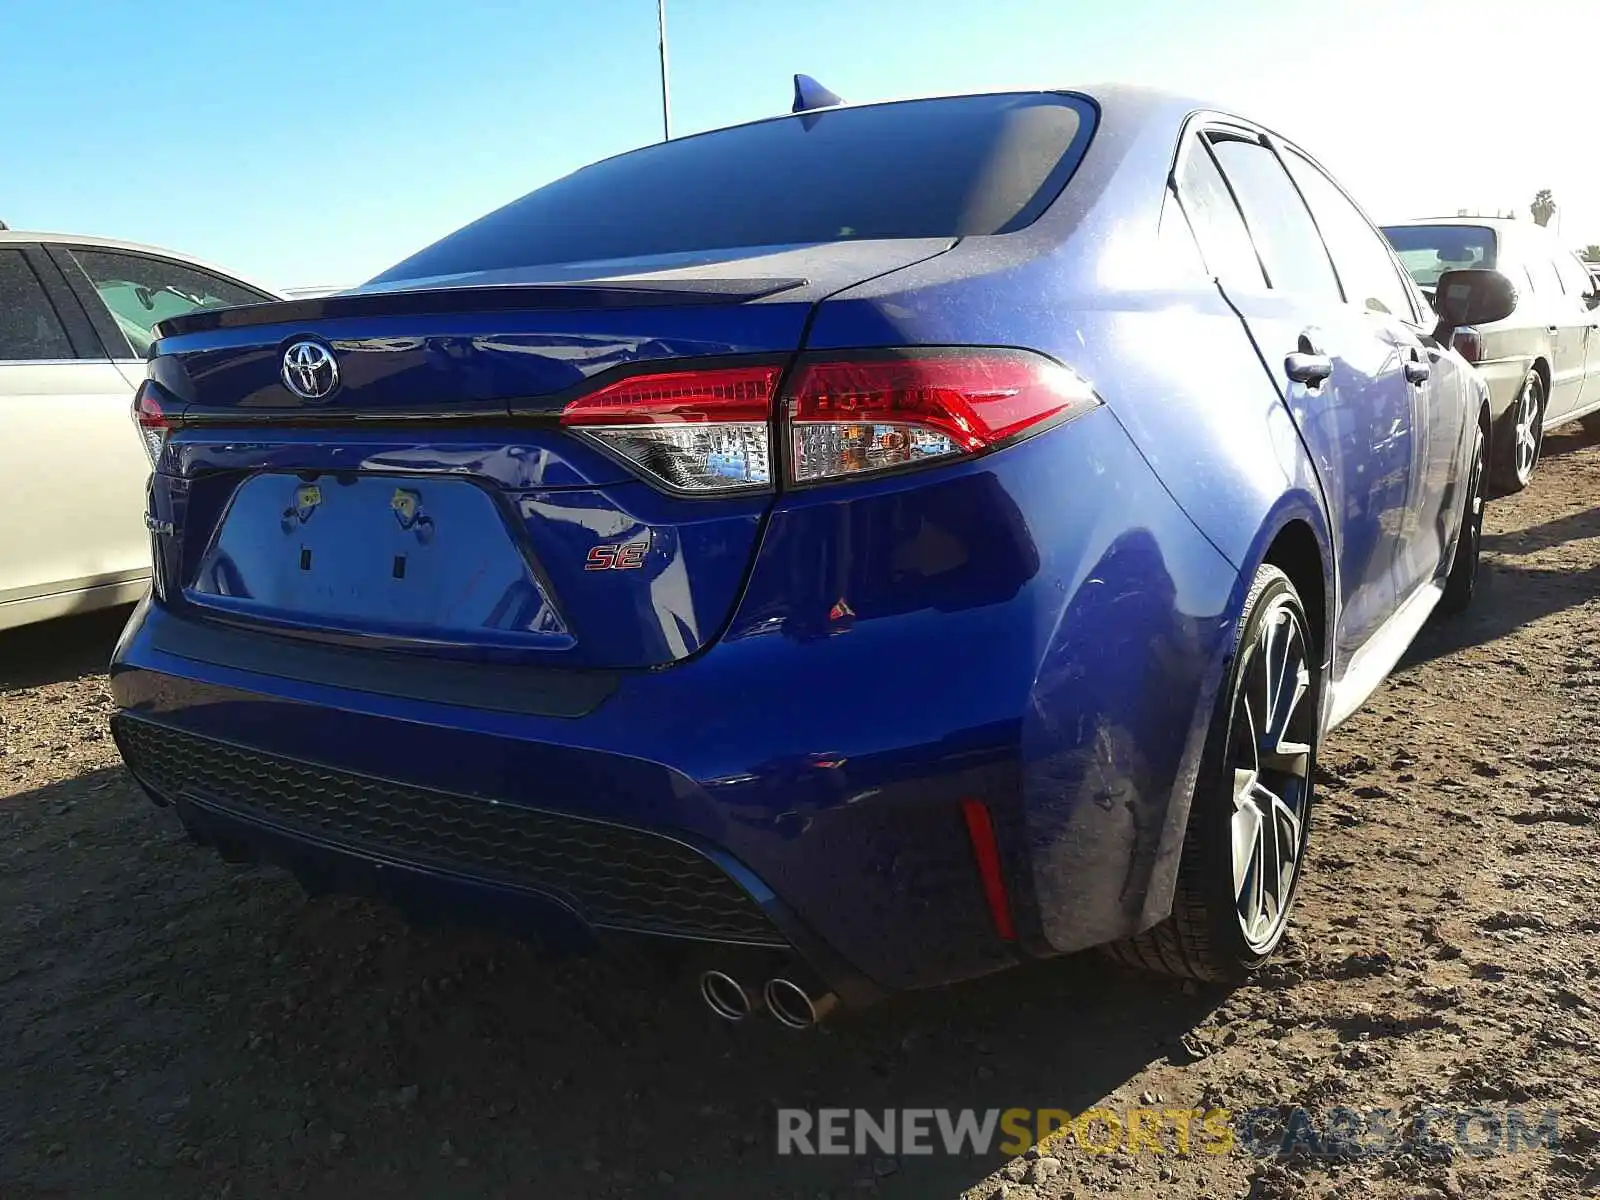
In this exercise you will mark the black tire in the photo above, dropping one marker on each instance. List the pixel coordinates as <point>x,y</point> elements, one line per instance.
<point>1462,583</point>
<point>1514,461</point>
<point>1204,938</point>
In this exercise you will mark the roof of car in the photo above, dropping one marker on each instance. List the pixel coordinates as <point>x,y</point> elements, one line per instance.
<point>14,236</point>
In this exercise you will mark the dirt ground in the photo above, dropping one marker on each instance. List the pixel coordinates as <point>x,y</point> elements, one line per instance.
<point>171,1026</point>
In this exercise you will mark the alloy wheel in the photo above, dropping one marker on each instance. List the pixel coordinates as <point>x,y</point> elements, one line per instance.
<point>1274,723</point>
<point>1527,430</point>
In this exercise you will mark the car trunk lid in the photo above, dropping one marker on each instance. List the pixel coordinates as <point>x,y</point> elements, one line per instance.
<point>429,498</point>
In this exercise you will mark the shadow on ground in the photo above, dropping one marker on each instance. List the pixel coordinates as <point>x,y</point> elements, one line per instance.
<point>191,1024</point>
<point>53,651</point>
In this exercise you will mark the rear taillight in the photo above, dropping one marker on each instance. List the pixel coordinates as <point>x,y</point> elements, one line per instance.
<point>694,431</point>
<point>709,431</point>
<point>848,418</point>
<point>154,416</point>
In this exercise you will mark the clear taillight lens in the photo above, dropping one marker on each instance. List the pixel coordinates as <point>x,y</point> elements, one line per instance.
<point>849,418</point>
<point>153,418</point>
<point>692,431</point>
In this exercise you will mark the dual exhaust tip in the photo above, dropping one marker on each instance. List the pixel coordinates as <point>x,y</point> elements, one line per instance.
<point>788,1002</point>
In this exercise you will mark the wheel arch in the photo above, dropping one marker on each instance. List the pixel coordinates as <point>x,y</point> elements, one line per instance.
<point>1296,552</point>
<point>1541,364</point>
<point>1295,537</point>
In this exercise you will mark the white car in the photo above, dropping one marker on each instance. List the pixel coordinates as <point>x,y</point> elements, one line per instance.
<point>75,323</point>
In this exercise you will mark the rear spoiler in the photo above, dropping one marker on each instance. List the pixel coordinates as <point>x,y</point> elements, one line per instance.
<point>483,298</point>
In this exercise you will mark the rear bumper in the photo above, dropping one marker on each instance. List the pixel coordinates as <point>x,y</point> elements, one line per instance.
<point>483,813</point>
<point>999,632</point>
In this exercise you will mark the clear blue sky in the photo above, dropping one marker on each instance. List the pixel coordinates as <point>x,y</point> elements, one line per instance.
<point>303,143</point>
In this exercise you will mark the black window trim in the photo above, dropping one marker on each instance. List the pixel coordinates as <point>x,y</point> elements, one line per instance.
<point>1240,132</point>
<point>1198,127</point>
<point>89,296</point>
<point>1189,137</point>
<point>69,316</point>
<point>112,340</point>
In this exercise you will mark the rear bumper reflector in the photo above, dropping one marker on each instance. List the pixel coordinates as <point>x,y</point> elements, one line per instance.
<point>980,828</point>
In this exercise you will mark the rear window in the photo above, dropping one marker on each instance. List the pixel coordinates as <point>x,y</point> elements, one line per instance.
<point>1428,251</point>
<point>965,165</point>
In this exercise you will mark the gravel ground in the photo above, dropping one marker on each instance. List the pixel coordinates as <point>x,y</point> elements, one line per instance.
<point>173,1026</point>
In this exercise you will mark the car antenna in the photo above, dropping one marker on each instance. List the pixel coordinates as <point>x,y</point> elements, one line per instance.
<point>810,95</point>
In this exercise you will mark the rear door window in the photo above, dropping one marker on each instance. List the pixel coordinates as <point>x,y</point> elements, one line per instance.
<point>1575,279</point>
<point>952,167</point>
<point>1291,249</point>
<point>1367,270</point>
<point>141,290</point>
<point>1214,217</point>
<point>30,329</point>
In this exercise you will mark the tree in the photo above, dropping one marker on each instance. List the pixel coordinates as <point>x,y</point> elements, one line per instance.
<point>1543,207</point>
<point>1591,253</point>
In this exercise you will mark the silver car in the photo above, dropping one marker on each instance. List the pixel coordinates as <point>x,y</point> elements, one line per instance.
<point>1542,363</point>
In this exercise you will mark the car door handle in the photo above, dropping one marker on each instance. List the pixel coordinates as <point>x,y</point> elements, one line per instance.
<point>1552,329</point>
<point>1417,369</point>
<point>1309,369</point>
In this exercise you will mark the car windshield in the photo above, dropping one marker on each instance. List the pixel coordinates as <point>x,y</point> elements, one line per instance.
<point>953,167</point>
<point>1428,251</point>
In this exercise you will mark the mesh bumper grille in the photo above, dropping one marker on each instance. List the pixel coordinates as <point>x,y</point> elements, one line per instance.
<point>614,877</point>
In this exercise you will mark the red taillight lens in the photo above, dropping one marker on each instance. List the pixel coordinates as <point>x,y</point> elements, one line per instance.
<point>708,431</point>
<point>154,417</point>
<point>731,394</point>
<point>694,431</point>
<point>850,417</point>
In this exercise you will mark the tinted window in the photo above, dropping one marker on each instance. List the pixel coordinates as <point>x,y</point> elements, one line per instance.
<point>140,291</point>
<point>1428,251</point>
<point>1366,268</point>
<point>1291,249</point>
<point>29,327</point>
<point>927,168</point>
<point>1215,219</point>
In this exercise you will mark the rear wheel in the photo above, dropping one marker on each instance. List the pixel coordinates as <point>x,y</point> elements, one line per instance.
<point>1249,820</point>
<point>1524,436</point>
<point>1462,583</point>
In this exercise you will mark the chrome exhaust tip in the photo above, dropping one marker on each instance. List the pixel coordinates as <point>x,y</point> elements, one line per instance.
<point>725,996</point>
<point>794,1006</point>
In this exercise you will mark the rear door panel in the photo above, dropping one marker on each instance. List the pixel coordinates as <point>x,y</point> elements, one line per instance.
<point>1567,324</point>
<point>1358,423</point>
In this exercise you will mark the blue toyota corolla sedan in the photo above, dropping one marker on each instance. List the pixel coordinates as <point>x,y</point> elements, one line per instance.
<point>884,543</point>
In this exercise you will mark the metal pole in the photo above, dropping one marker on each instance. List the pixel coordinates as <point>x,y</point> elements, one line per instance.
<point>666,104</point>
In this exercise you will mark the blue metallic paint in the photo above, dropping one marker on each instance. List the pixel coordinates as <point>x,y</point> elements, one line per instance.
<point>1045,628</point>
<point>814,787</point>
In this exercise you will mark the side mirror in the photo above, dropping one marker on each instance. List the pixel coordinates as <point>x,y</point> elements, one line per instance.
<point>1592,299</point>
<point>1474,297</point>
